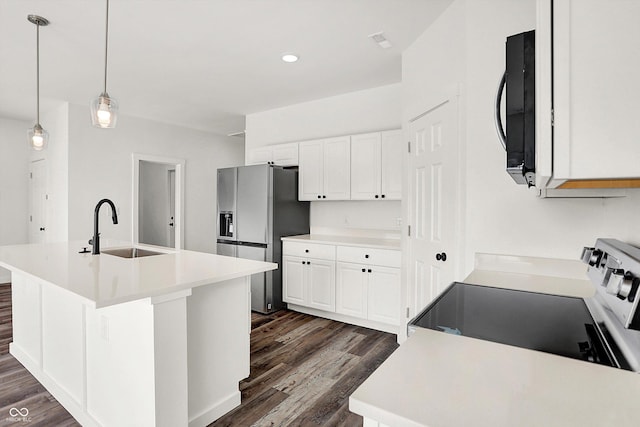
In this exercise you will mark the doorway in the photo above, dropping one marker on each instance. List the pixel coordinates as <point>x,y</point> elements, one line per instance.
<point>158,207</point>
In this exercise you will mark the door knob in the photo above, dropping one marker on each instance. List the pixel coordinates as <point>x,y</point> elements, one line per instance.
<point>441,257</point>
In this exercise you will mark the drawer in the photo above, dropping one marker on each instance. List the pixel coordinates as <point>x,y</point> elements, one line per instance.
<point>309,250</point>
<point>369,256</point>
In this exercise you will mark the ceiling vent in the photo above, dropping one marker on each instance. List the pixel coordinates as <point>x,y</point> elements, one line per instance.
<point>380,39</point>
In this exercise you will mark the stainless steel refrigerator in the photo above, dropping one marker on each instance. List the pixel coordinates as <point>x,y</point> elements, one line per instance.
<point>257,205</point>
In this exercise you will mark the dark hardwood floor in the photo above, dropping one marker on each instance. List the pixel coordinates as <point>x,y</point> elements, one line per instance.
<point>303,370</point>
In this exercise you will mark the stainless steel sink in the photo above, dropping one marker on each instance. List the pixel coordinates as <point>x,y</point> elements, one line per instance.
<point>130,252</point>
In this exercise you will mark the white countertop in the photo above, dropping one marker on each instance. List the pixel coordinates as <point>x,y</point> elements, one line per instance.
<point>104,280</point>
<point>441,380</point>
<point>368,242</point>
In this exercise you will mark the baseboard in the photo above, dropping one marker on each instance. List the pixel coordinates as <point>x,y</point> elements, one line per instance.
<point>216,410</point>
<point>378,326</point>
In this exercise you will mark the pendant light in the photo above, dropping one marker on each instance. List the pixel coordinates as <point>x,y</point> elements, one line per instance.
<point>38,137</point>
<point>104,109</point>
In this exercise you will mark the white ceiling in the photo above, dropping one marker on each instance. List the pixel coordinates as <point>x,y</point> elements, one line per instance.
<point>204,64</point>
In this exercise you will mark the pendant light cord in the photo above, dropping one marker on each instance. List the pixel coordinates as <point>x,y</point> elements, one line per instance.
<point>106,45</point>
<point>38,74</point>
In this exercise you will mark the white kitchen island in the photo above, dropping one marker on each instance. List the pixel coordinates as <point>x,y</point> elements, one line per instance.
<point>161,340</point>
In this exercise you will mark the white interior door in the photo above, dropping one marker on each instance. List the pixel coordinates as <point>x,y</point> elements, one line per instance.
<point>37,201</point>
<point>433,200</point>
<point>172,208</point>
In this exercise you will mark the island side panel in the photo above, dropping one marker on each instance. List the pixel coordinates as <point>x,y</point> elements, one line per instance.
<point>120,364</point>
<point>26,302</point>
<point>48,339</point>
<point>170,350</point>
<point>219,324</point>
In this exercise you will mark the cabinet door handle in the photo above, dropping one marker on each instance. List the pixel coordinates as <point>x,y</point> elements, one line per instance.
<point>306,251</point>
<point>382,196</point>
<point>324,197</point>
<point>366,255</point>
<point>41,228</point>
<point>363,270</point>
<point>376,196</point>
<point>319,196</point>
<point>369,271</point>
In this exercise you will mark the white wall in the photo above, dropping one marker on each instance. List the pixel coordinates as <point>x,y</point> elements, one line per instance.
<point>465,47</point>
<point>14,189</point>
<point>100,165</point>
<point>356,112</point>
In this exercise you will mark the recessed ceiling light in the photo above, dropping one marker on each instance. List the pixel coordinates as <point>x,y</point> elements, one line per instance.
<point>289,57</point>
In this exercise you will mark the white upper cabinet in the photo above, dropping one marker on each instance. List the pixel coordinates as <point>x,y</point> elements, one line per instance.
<point>337,168</point>
<point>357,167</point>
<point>592,86</point>
<point>285,154</point>
<point>311,170</point>
<point>376,166</point>
<point>279,154</point>
<point>366,166</point>
<point>391,166</point>
<point>258,156</point>
<point>325,169</point>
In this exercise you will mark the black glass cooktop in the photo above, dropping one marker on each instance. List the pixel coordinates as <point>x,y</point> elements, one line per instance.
<point>549,323</point>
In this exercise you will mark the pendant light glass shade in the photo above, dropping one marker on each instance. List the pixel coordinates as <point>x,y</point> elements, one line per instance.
<point>104,109</point>
<point>38,137</point>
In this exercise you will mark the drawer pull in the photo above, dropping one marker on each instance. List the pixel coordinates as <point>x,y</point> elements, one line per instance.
<point>369,271</point>
<point>363,270</point>
<point>306,250</point>
<point>366,255</point>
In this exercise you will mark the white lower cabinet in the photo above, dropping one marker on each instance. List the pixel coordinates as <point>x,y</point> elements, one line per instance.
<point>351,290</point>
<point>293,280</point>
<point>309,282</point>
<point>368,292</point>
<point>360,285</point>
<point>321,284</point>
<point>383,296</point>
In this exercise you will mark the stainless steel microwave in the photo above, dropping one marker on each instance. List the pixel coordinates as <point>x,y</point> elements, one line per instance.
<point>519,139</point>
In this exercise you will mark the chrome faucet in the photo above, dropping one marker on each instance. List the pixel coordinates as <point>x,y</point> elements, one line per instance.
<point>95,242</point>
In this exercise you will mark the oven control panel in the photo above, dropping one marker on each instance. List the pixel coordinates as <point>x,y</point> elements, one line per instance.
<point>614,267</point>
